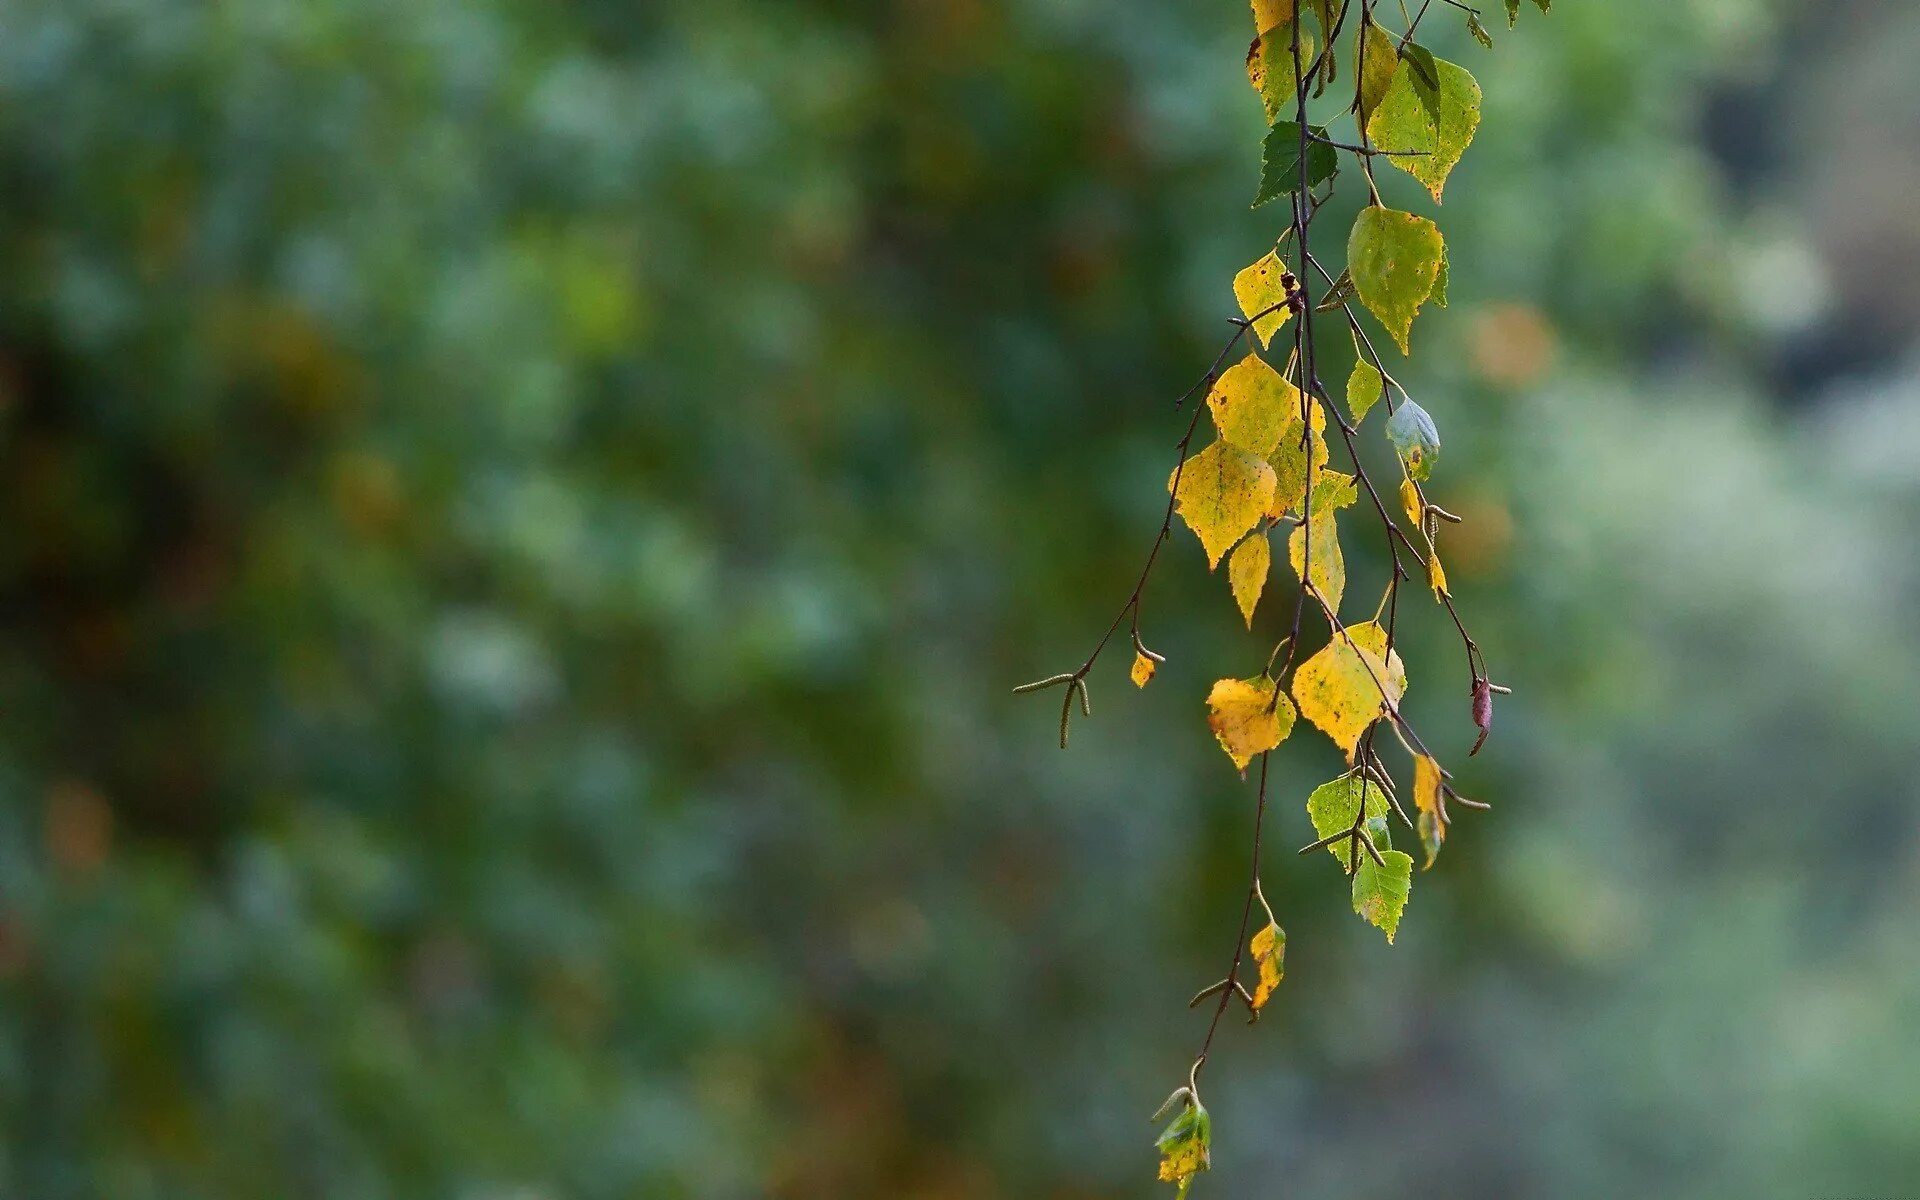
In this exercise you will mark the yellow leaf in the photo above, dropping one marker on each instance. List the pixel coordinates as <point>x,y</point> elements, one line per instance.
<point>1289,460</point>
<point>1426,794</point>
<point>1253,406</point>
<point>1259,287</point>
<point>1436,574</point>
<point>1249,717</point>
<point>1247,573</point>
<point>1223,491</point>
<point>1329,570</point>
<point>1371,636</point>
<point>1340,689</point>
<point>1268,13</point>
<point>1269,949</point>
<point>1410,503</point>
<point>1142,669</point>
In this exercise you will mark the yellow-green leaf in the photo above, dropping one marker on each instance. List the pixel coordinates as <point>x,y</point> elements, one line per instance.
<point>1269,949</point>
<point>1380,892</point>
<point>1247,570</point>
<point>1320,537</point>
<point>1376,62</point>
<point>1365,387</point>
<point>1432,124</point>
<point>1345,687</point>
<point>1395,258</point>
<point>1271,68</point>
<point>1332,490</point>
<point>1371,636</point>
<point>1142,672</point>
<point>1223,491</point>
<point>1290,459</point>
<point>1260,286</point>
<point>1186,1145</point>
<point>1432,824</point>
<point>1253,406</point>
<point>1332,807</point>
<point>1248,717</point>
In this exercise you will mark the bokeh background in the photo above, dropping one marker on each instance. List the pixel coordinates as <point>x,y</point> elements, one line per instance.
<point>519,520</point>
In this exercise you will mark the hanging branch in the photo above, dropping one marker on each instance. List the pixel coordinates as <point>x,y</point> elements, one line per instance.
<point>1268,470</point>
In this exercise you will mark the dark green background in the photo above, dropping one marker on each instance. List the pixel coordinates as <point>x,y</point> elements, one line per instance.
<point>518,522</point>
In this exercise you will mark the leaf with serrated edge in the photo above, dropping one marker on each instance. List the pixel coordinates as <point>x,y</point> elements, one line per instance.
<point>1332,491</point>
<point>1280,161</point>
<point>1380,892</point>
<point>1424,130</point>
<point>1260,286</point>
<point>1248,717</point>
<point>1223,492</point>
<point>1371,636</point>
<point>1253,406</point>
<point>1247,570</point>
<point>1320,536</point>
<point>1365,387</point>
<point>1271,68</point>
<point>1376,62</point>
<point>1395,258</point>
<point>1332,806</point>
<point>1339,688</point>
<point>1289,460</point>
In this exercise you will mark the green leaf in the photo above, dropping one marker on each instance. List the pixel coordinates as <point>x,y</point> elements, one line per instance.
<point>1439,295</point>
<point>1365,387</point>
<point>1479,31</point>
<point>1280,161</point>
<point>1331,808</point>
<point>1380,892</point>
<point>1425,72</point>
<point>1415,438</point>
<point>1513,13</point>
<point>1543,5</point>
<point>1431,122</point>
<point>1395,258</point>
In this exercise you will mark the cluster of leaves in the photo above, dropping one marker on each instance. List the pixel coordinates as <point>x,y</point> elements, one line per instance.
<point>1268,470</point>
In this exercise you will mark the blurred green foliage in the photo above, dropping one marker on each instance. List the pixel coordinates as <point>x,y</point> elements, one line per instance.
<point>520,520</point>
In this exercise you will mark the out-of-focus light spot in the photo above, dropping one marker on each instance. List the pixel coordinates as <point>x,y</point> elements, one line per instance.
<point>1512,344</point>
<point>79,827</point>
